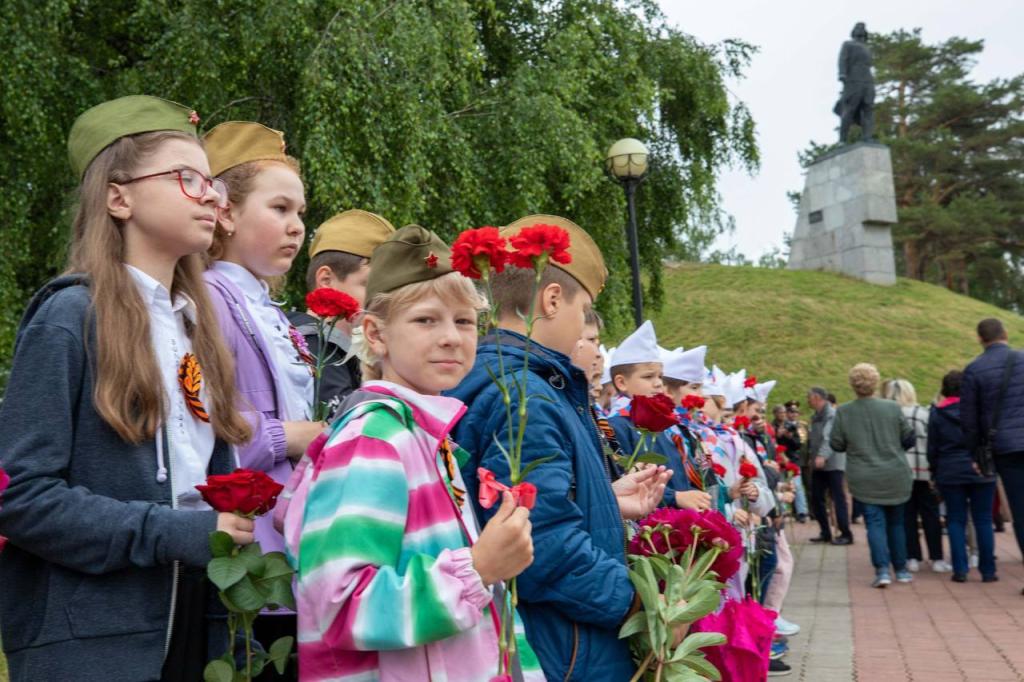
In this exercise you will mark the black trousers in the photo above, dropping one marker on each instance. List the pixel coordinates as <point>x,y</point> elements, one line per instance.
<point>923,503</point>
<point>187,654</point>
<point>824,482</point>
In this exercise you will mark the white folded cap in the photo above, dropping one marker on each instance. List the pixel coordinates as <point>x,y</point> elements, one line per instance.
<point>686,365</point>
<point>714,382</point>
<point>760,391</point>
<point>735,392</point>
<point>640,346</point>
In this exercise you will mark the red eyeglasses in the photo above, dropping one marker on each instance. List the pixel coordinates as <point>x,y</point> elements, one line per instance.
<point>193,184</point>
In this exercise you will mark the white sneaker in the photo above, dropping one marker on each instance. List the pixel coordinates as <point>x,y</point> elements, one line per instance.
<point>784,627</point>
<point>941,566</point>
<point>913,565</point>
<point>974,561</point>
<point>881,580</point>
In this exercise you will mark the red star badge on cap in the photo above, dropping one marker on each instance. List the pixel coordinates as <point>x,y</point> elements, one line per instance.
<point>431,260</point>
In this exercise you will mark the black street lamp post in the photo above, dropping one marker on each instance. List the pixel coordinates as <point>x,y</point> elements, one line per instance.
<point>626,163</point>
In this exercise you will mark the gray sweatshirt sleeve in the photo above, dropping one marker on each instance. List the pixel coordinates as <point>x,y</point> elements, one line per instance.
<point>65,524</point>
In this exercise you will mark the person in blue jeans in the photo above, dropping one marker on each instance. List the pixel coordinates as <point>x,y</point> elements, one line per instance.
<point>874,435</point>
<point>960,484</point>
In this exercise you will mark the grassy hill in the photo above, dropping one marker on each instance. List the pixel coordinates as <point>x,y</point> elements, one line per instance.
<point>809,328</point>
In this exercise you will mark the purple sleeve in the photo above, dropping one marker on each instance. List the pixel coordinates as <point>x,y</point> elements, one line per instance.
<point>268,446</point>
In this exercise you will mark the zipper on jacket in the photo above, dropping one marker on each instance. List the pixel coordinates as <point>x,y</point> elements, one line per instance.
<point>176,566</point>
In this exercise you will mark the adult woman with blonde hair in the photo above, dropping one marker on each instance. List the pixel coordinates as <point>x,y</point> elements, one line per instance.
<point>874,435</point>
<point>923,502</point>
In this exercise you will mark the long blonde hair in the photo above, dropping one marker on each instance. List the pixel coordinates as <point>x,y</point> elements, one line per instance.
<point>128,392</point>
<point>452,288</point>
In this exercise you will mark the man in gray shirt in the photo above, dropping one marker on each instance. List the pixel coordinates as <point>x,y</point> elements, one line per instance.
<point>829,467</point>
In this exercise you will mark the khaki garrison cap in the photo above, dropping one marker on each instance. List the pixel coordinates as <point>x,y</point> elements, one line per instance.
<point>353,231</point>
<point>587,266</point>
<point>236,142</point>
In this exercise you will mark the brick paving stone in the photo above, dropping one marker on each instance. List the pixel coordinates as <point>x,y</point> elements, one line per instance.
<point>931,630</point>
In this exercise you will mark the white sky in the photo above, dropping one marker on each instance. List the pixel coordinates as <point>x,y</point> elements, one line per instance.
<point>791,84</point>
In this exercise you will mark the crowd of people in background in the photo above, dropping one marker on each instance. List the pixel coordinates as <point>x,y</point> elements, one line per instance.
<point>160,357</point>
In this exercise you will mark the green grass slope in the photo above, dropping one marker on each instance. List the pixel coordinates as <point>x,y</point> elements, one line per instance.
<point>808,328</point>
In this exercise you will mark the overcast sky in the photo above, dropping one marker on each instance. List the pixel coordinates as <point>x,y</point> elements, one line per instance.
<point>791,85</point>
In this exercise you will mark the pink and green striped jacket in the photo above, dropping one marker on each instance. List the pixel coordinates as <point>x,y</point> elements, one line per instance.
<point>386,589</point>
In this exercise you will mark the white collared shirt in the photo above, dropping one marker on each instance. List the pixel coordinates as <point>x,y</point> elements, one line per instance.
<point>294,380</point>
<point>190,440</point>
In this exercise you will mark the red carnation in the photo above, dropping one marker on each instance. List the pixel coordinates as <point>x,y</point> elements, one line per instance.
<point>653,413</point>
<point>750,382</point>
<point>475,252</point>
<point>741,423</point>
<point>719,469</point>
<point>245,492</point>
<point>793,468</point>
<point>532,244</point>
<point>747,469</point>
<point>781,449</point>
<point>693,401</point>
<point>328,303</point>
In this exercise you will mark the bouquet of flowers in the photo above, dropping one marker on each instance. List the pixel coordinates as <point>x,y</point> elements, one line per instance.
<point>679,560</point>
<point>248,580</point>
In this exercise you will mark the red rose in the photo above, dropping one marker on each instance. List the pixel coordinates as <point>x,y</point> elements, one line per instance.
<point>246,492</point>
<point>747,470</point>
<point>532,243</point>
<point>741,423</point>
<point>719,469</point>
<point>693,401</point>
<point>474,252</point>
<point>327,303</point>
<point>750,382</point>
<point>653,413</point>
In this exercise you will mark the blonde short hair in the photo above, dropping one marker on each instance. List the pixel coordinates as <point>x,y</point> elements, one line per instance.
<point>452,288</point>
<point>864,378</point>
<point>900,390</point>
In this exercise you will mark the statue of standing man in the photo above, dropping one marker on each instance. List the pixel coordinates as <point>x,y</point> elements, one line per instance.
<point>858,99</point>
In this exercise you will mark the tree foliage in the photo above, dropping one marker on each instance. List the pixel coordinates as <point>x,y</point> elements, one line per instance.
<point>448,113</point>
<point>958,163</point>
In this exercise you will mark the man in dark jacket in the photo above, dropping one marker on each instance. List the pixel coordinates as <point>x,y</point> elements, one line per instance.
<point>982,381</point>
<point>828,469</point>
<point>577,593</point>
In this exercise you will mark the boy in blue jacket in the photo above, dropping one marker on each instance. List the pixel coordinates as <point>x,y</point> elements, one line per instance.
<point>576,595</point>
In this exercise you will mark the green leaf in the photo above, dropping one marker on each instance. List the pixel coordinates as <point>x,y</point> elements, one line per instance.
<point>634,624</point>
<point>221,544</point>
<point>651,458</point>
<point>677,672</point>
<point>701,665</point>
<point>697,640</point>
<point>225,571</point>
<point>218,671</point>
<point>277,566</point>
<point>246,595</point>
<point>254,564</point>
<point>228,604</point>
<point>279,592</point>
<point>642,576</point>
<point>704,602</point>
<point>533,465</point>
<point>280,651</point>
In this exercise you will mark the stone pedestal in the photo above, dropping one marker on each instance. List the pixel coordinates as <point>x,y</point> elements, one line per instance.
<point>847,209</point>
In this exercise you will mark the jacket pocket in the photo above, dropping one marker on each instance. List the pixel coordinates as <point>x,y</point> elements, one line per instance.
<point>122,602</point>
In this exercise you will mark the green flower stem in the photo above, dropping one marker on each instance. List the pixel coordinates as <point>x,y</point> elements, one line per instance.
<point>636,451</point>
<point>539,265</point>
<point>506,397</point>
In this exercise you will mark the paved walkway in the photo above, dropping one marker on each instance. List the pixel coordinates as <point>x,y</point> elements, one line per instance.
<point>932,630</point>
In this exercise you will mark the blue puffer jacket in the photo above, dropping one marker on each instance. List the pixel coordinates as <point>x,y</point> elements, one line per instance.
<point>982,381</point>
<point>576,594</point>
<point>628,435</point>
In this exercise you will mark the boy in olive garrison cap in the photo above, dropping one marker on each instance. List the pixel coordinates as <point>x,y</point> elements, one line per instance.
<point>339,258</point>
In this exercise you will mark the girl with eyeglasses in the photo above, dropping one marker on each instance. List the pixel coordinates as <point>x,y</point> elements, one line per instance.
<point>108,538</point>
